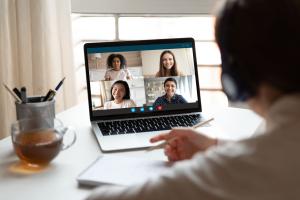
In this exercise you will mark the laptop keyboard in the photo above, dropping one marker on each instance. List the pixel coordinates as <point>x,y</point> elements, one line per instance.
<point>149,124</point>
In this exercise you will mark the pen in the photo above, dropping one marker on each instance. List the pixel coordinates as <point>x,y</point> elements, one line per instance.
<point>13,94</point>
<point>59,84</point>
<point>17,92</point>
<point>23,95</point>
<point>162,145</point>
<point>51,93</point>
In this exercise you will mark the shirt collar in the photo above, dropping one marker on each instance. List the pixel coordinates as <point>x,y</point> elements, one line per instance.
<point>284,111</point>
<point>173,97</point>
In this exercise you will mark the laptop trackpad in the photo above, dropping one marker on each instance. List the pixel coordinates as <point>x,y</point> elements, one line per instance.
<point>126,141</point>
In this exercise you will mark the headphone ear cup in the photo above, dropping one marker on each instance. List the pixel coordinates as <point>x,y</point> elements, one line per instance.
<point>233,85</point>
<point>229,87</point>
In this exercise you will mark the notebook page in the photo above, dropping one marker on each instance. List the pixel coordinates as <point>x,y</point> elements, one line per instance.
<point>121,170</point>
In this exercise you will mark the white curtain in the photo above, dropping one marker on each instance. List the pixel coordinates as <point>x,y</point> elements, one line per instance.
<point>35,52</point>
<point>187,88</point>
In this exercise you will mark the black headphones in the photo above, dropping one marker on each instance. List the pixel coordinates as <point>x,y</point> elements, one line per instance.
<point>234,85</point>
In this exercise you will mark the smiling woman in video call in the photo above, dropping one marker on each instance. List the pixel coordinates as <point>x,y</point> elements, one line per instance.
<point>116,68</point>
<point>259,41</point>
<point>168,65</point>
<point>120,96</point>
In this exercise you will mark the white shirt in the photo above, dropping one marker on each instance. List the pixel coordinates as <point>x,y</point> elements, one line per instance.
<point>122,74</point>
<point>126,103</point>
<point>265,167</point>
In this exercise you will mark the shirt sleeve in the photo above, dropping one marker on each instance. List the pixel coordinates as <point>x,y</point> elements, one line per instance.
<point>157,102</point>
<point>182,99</point>
<point>216,174</point>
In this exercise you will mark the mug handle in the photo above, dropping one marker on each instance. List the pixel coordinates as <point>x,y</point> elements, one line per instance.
<point>72,130</point>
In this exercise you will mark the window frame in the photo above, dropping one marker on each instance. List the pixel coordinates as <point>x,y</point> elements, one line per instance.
<point>117,37</point>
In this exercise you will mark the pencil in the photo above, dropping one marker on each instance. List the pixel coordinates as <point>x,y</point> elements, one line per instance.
<point>162,145</point>
<point>202,123</point>
<point>12,93</point>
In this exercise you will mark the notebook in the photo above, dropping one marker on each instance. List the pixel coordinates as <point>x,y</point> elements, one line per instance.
<point>138,89</point>
<point>121,170</point>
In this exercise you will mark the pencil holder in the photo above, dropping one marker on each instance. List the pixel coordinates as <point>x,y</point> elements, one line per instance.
<point>35,108</point>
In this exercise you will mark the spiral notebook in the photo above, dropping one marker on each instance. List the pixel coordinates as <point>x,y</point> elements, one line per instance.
<point>121,170</point>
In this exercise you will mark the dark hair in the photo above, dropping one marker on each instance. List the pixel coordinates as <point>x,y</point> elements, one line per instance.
<point>162,69</point>
<point>112,56</point>
<point>127,90</point>
<point>263,39</point>
<point>170,79</point>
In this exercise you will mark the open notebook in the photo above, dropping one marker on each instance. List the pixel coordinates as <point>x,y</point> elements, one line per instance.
<point>121,170</point>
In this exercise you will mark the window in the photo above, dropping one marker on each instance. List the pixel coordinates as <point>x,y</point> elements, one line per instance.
<point>94,28</point>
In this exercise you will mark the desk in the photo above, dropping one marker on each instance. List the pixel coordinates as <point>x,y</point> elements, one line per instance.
<point>58,181</point>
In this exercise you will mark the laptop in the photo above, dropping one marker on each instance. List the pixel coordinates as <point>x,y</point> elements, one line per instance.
<point>139,89</point>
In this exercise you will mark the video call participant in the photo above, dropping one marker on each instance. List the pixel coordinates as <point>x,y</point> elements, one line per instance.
<point>120,96</point>
<point>260,44</point>
<point>116,68</point>
<point>168,65</point>
<point>170,96</point>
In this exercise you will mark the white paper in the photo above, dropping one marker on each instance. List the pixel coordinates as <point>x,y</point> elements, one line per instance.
<point>121,170</point>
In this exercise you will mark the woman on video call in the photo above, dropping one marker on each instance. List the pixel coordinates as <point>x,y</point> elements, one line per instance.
<point>120,96</point>
<point>168,65</point>
<point>259,41</point>
<point>116,68</point>
<point>170,96</point>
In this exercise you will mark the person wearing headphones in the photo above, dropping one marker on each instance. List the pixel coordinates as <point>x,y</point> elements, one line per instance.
<point>259,43</point>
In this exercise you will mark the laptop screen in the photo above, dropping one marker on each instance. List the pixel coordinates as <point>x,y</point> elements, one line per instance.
<point>141,78</point>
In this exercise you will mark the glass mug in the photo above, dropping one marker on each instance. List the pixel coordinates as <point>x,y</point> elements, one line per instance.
<point>37,141</point>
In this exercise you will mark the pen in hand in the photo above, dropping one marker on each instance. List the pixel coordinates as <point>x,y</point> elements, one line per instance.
<point>51,93</point>
<point>163,144</point>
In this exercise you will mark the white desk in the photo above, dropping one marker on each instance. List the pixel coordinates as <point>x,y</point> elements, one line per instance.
<point>58,181</point>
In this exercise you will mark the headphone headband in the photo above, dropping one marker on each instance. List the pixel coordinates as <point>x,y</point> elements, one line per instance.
<point>234,86</point>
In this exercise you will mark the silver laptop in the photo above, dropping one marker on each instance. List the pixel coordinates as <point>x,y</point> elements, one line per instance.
<point>138,89</point>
